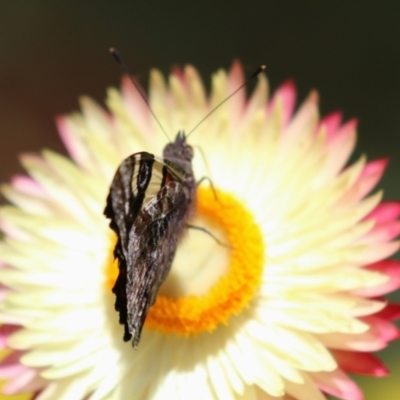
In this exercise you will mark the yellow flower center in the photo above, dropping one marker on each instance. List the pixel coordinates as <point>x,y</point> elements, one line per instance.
<point>229,273</point>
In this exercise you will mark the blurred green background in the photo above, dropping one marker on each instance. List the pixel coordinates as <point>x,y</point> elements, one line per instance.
<point>52,52</point>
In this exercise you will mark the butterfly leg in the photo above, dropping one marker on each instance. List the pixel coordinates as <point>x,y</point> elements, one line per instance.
<point>206,178</point>
<point>200,228</point>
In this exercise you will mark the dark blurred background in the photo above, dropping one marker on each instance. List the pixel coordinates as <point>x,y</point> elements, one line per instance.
<point>52,52</point>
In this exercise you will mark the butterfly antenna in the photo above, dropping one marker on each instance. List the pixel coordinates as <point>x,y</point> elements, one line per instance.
<point>125,69</point>
<point>260,69</point>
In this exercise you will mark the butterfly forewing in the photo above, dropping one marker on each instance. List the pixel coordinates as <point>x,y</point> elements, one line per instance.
<point>150,201</point>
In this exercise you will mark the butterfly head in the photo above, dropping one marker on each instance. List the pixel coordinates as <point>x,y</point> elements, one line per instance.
<point>179,151</point>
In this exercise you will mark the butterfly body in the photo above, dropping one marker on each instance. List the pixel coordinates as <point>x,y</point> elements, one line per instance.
<point>150,202</point>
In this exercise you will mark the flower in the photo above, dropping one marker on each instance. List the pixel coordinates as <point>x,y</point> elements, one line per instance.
<point>288,304</point>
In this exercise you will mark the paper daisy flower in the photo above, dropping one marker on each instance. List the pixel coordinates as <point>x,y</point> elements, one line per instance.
<point>284,310</point>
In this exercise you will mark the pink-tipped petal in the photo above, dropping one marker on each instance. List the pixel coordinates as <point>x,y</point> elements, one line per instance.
<point>74,148</point>
<point>5,332</point>
<point>331,124</point>
<point>196,91</point>
<point>343,132</point>
<point>391,268</point>
<point>390,313</point>
<point>9,371</point>
<point>177,71</point>
<point>388,267</point>
<point>369,177</point>
<point>77,146</point>
<point>237,103</point>
<point>382,233</point>
<point>337,383</point>
<point>385,212</point>
<point>340,138</point>
<point>136,106</point>
<point>11,367</point>
<point>304,119</point>
<point>13,232</point>
<point>287,94</point>
<point>360,363</point>
<point>27,185</point>
<point>375,167</point>
<point>20,382</point>
<point>378,252</point>
<point>367,180</point>
<point>382,328</point>
<point>236,78</point>
<point>338,151</point>
<point>363,342</point>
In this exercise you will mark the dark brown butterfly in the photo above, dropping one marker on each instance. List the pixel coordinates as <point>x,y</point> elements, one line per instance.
<point>150,202</point>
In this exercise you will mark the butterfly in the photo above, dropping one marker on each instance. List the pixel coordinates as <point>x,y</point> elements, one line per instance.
<point>150,202</point>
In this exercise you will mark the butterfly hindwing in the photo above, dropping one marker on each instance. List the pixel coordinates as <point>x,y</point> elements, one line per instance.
<point>152,245</point>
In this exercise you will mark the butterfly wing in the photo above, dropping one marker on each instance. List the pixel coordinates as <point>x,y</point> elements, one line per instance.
<point>148,208</point>
<point>152,245</point>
